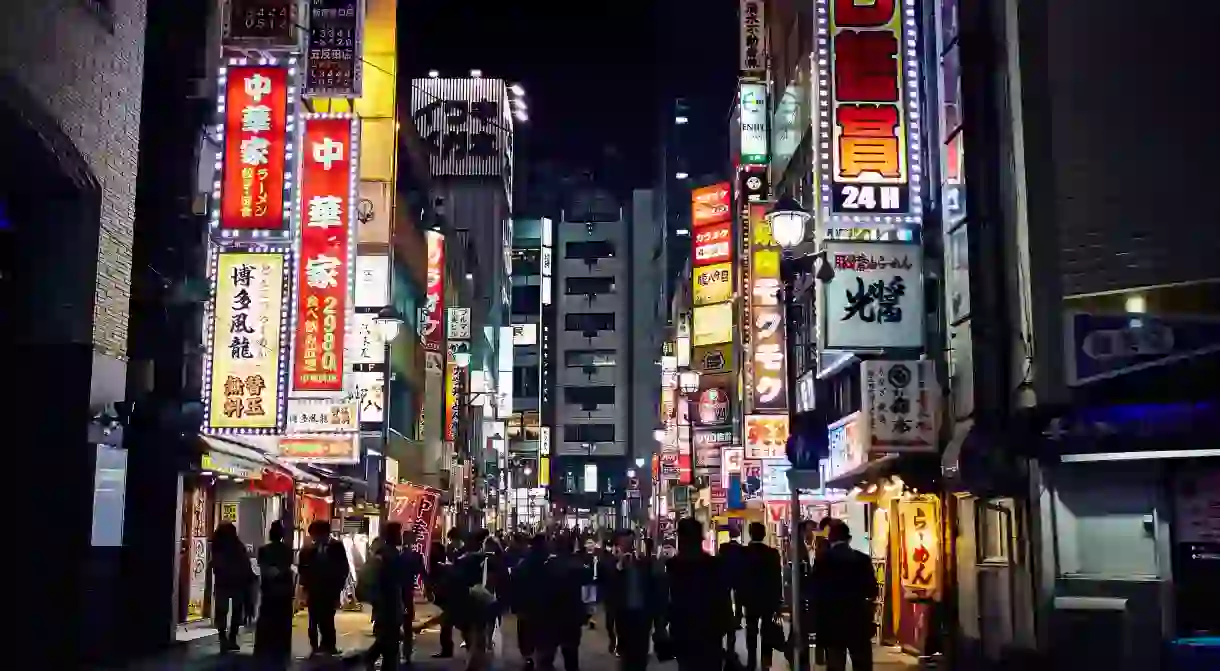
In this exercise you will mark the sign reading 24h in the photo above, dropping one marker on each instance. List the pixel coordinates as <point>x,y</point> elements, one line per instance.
<point>875,300</point>
<point>873,93</point>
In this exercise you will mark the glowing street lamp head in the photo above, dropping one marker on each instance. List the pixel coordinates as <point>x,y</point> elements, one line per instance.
<point>788,220</point>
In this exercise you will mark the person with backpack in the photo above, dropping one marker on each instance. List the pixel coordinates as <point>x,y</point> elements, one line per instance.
<point>387,583</point>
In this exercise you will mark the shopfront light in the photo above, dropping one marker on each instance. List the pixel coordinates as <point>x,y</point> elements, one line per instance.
<point>688,381</point>
<point>788,220</point>
<point>388,322</point>
<point>639,462</point>
<point>631,472</point>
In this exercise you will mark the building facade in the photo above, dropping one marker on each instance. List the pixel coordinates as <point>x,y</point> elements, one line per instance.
<point>598,432</point>
<point>71,76</point>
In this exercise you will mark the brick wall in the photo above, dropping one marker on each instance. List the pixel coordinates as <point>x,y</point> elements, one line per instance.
<point>83,60</point>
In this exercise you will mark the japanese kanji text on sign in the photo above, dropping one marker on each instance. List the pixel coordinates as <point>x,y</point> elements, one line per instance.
<point>254,109</point>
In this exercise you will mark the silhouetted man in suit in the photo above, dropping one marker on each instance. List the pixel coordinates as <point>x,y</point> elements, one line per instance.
<point>845,589</point>
<point>760,593</point>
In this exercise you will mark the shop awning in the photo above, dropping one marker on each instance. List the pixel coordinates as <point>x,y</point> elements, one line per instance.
<point>234,459</point>
<point>869,471</point>
<point>297,474</point>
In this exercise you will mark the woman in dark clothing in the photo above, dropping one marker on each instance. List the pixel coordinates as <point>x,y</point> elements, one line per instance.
<point>273,631</point>
<point>232,577</point>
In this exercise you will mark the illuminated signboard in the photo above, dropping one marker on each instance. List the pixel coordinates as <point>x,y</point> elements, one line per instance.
<point>713,244</point>
<point>710,205</point>
<point>713,324</point>
<point>712,284</point>
<point>245,323</point>
<point>327,228</point>
<point>868,97</point>
<point>256,121</point>
<point>765,377</point>
<point>431,320</point>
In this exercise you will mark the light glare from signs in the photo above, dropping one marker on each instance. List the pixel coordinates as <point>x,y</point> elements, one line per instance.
<point>869,103</point>
<point>327,246</point>
<point>713,244</point>
<point>254,186</point>
<point>876,299</point>
<point>244,383</point>
<point>710,205</point>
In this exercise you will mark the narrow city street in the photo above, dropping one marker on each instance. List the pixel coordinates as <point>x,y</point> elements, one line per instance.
<point>355,636</point>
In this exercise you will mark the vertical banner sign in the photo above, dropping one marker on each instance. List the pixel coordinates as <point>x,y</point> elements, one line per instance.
<point>873,96</point>
<point>415,507</point>
<point>332,64</point>
<point>268,24</point>
<point>254,183</point>
<point>765,366</point>
<point>753,39</point>
<point>328,182</point>
<point>753,101</point>
<point>246,320</point>
<point>431,317</point>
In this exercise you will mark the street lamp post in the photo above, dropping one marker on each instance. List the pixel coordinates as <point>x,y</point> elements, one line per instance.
<point>789,222</point>
<point>388,323</point>
<point>688,383</point>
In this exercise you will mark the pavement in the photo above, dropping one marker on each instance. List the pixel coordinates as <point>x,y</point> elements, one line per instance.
<point>355,635</point>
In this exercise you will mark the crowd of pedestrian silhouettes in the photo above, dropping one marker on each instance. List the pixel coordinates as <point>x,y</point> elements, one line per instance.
<point>676,603</point>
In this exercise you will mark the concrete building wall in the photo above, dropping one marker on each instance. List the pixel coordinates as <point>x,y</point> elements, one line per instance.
<point>83,61</point>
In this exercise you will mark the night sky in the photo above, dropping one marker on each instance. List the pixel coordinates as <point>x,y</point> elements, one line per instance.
<point>594,72</point>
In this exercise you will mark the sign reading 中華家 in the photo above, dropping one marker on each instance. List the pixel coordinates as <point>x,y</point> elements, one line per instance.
<point>246,320</point>
<point>254,187</point>
<point>327,245</point>
<point>332,56</point>
<point>868,91</point>
<point>901,404</point>
<point>875,300</point>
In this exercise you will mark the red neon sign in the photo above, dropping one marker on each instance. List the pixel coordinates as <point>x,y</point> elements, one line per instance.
<point>713,243</point>
<point>256,140</point>
<point>327,180</point>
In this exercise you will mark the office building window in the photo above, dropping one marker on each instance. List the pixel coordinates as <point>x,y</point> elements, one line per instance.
<point>526,300</point>
<point>589,397</point>
<point>588,250</point>
<point>588,433</point>
<point>592,286</point>
<point>525,381</point>
<point>583,358</point>
<point>589,322</point>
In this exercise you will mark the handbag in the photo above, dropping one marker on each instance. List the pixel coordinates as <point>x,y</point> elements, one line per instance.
<point>773,635</point>
<point>662,645</point>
